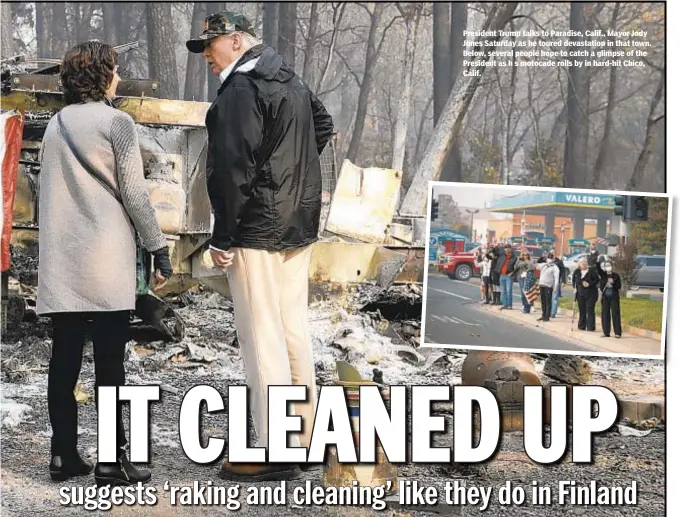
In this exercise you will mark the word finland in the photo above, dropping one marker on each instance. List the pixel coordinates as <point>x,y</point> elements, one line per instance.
<point>374,422</point>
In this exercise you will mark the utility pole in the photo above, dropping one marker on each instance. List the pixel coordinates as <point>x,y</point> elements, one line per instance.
<point>472,219</point>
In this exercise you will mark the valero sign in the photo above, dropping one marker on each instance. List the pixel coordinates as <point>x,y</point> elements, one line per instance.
<point>592,200</point>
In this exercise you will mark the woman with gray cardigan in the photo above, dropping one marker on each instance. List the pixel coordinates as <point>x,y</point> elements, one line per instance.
<point>87,261</point>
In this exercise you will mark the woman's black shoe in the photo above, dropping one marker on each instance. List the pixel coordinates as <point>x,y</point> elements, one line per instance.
<point>66,467</point>
<point>120,473</point>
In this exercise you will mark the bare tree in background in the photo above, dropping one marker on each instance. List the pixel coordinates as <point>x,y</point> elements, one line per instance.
<point>109,15</point>
<point>575,150</point>
<point>451,119</point>
<point>43,16</point>
<point>375,11</point>
<point>310,46</point>
<point>603,129</point>
<point>59,40</point>
<point>338,15</point>
<point>287,31</point>
<point>82,19</point>
<point>213,80</point>
<point>605,145</point>
<point>162,63</point>
<point>7,30</point>
<point>270,24</point>
<point>411,14</point>
<point>651,135</point>
<point>453,169</point>
<point>441,56</point>
<point>194,83</point>
<point>116,29</point>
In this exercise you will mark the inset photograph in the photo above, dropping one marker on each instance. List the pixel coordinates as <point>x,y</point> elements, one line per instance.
<point>518,268</point>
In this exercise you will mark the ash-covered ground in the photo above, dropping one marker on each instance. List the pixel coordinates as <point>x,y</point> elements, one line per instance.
<point>377,331</point>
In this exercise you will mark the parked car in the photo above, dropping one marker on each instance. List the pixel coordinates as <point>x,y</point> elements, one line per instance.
<point>571,264</point>
<point>652,272</point>
<point>459,266</point>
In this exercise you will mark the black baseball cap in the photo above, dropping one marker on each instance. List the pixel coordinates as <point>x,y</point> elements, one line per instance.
<point>224,22</point>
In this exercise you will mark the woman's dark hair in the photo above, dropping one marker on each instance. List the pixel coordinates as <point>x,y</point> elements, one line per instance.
<point>87,71</point>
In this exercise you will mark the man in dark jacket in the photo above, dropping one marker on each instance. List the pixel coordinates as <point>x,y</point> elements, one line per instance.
<point>505,267</point>
<point>266,130</point>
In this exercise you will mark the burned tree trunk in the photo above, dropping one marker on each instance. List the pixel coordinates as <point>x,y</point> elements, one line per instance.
<point>441,56</point>
<point>213,80</point>
<point>576,145</point>
<point>411,17</point>
<point>60,39</point>
<point>366,83</point>
<point>43,14</point>
<point>609,114</point>
<point>110,26</point>
<point>194,81</point>
<point>83,17</point>
<point>7,30</point>
<point>451,119</point>
<point>651,135</point>
<point>162,64</point>
<point>116,31</point>
<point>338,13</point>
<point>287,31</point>
<point>270,32</point>
<point>308,65</point>
<point>453,169</point>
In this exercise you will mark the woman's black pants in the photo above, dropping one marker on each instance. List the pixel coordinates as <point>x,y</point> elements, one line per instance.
<point>109,332</point>
<point>611,314</point>
<point>586,310</point>
<point>546,302</point>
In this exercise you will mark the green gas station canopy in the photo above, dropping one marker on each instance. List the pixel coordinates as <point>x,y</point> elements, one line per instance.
<point>566,203</point>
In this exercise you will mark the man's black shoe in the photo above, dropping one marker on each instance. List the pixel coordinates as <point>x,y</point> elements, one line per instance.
<point>120,473</point>
<point>66,467</point>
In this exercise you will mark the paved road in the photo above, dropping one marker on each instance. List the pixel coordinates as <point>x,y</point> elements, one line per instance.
<point>454,316</point>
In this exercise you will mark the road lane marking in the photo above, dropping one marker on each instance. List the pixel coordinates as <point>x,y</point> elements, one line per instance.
<point>455,321</point>
<point>449,293</point>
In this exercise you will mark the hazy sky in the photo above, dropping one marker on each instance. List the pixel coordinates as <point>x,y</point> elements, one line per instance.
<point>473,196</point>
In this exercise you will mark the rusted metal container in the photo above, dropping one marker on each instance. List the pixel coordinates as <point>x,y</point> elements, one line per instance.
<point>380,473</point>
<point>505,374</point>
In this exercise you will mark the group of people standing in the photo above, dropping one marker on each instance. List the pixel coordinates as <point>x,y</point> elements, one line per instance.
<point>502,265</point>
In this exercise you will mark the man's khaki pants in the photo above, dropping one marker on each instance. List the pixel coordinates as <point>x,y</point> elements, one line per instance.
<point>270,294</point>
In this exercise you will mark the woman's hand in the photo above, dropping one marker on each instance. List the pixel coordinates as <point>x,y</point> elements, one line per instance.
<point>160,280</point>
<point>163,267</point>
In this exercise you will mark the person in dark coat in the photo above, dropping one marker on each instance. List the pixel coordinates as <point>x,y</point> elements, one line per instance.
<point>593,256</point>
<point>585,282</point>
<point>266,132</point>
<point>610,286</point>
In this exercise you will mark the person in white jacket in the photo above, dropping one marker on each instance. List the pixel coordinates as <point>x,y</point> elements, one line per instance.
<point>549,282</point>
<point>486,277</point>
